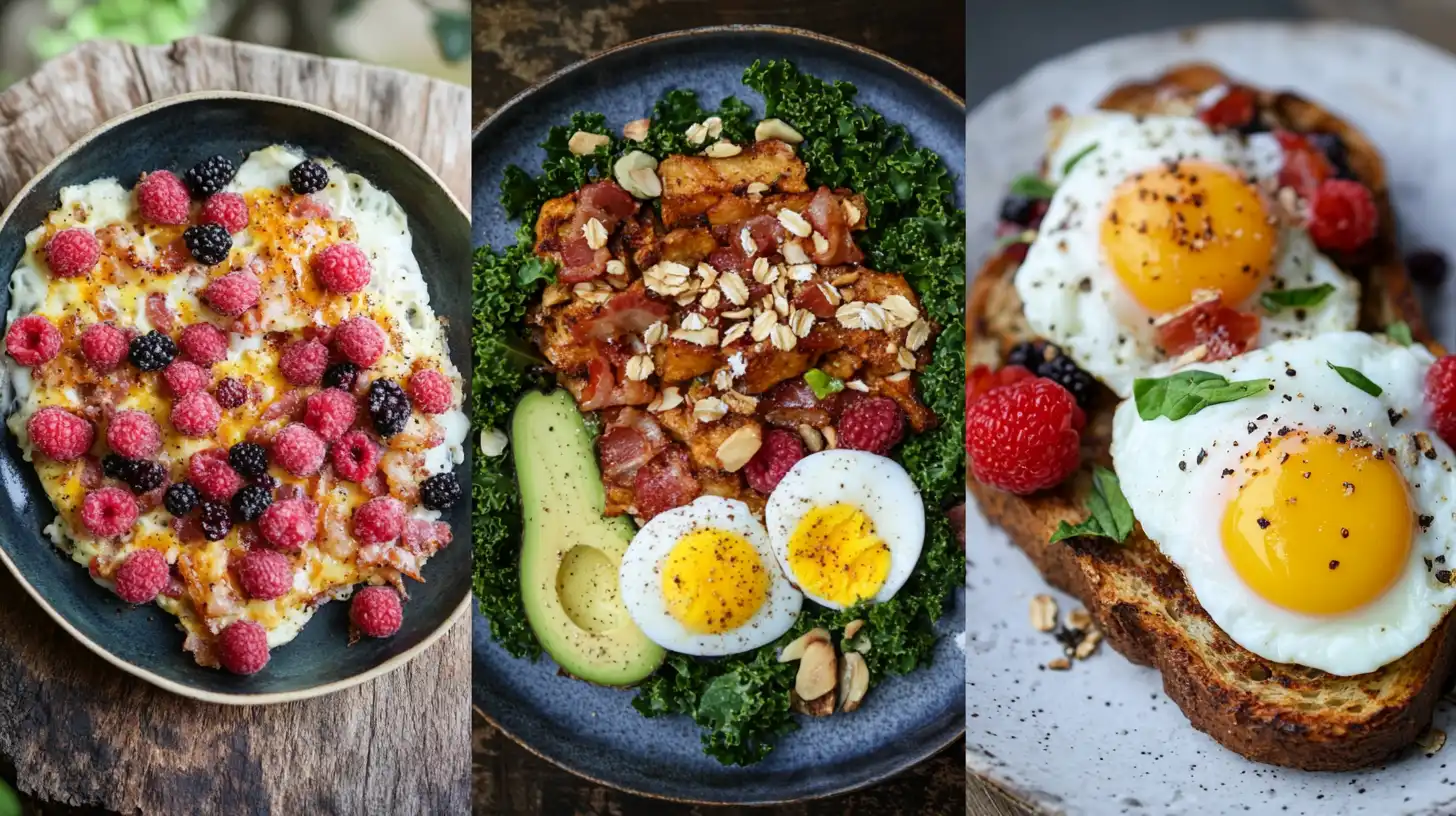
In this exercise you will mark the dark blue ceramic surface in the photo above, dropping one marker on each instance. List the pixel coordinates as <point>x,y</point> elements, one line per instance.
<point>594,731</point>
<point>175,135</point>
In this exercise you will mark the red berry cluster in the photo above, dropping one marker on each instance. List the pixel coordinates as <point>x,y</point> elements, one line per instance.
<point>1023,433</point>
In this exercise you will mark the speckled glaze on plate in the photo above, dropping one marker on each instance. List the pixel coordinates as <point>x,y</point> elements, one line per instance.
<point>145,641</point>
<point>1103,738</point>
<point>594,731</point>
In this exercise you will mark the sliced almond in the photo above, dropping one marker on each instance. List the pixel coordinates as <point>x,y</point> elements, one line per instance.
<point>818,671</point>
<point>739,447</point>
<point>906,358</point>
<point>857,385</point>
<point>739,314</point>
<point>898,376</point>
<point>493,442</point>
<point>917,335</point>
<point>854,681</point>
<point>757,188</point>
<point>636,171</point>
<point>1080,619</point>
<point>846,279</point>
<point>813,440</point>
<point>582,143</point>
<point>821,244</point>
<point>722,150</point>
<point>777,129</point>
<point>667,278</point>
<point>795,223</point>
<point>900,311</point>
<point>1088,645</point>
<point>714,126</point>
<point>697,133</point>
<point>831,437</point>
<point>822,707</point>
<point>800,272</point>
<point>709,409</point>
<point>636,130</point>
<point>739,403</point>
<point>851,212</point>
<point>796,647</point>
<point>1043,613</point>
<point>1059,664</point>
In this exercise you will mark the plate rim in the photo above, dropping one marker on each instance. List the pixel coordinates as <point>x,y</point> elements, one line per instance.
<point>182,689</point>
<point>735,30</point>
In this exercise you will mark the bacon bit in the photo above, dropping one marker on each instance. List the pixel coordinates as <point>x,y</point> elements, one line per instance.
<point>766,233</point>
<point>729,258</point>
<point>309,207</point>
<point>159,313</point>
<point>608,204</point>
<point>1233,110</point>
<point>375,485</point>
<point>91,475</point>
<point>1305,165</point>
<point>814,298</point>
<point>828,219</point>
<point>1223,331</point>
<point>664,483</point>
<point>631,440</point>
<point>628,312</point>
<point>605,388</point>
<point>425,537</point>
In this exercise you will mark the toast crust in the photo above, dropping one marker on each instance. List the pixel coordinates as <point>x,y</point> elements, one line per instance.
<point>1275,713</point>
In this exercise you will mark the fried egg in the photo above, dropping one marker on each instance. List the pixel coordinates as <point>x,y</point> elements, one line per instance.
<point>1313,520</point>
<point>1153,214</point>
<point>701,580</point>
<point>846,526</point>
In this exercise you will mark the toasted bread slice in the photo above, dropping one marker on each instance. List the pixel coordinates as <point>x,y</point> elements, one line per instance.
<point>1269,712</point>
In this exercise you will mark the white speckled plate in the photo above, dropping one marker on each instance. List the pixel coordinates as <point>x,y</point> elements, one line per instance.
<point>1102,738</point>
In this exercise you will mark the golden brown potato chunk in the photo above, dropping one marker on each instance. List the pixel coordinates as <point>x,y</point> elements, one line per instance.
<point>693,184</point>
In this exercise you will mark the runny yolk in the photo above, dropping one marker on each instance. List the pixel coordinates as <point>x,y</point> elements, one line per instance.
<point>713,581</point>
<point>1175,230</point>
<point>835,555</point>
<point>1319,527</point>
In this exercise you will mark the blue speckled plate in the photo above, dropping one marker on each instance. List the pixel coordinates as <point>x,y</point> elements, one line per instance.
<point>594,731</point>
<point>176,133</point>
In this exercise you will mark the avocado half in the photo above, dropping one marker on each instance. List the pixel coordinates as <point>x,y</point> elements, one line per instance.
<point>570,552</point>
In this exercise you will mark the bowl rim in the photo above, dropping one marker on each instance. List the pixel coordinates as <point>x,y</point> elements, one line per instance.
<point>520,99</point>
<point>182,689</point>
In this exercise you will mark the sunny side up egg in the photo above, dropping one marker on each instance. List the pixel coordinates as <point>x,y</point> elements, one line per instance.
<point>1312,519</point>
<point>701,580</point>
<point>1150,215</point>
<point>846,525</point>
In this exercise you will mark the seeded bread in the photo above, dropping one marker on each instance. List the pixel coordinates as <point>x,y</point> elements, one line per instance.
<point>1269,712</point>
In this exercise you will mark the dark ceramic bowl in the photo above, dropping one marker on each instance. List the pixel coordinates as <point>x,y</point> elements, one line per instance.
<point>594,731</point>
<point>176,133</point>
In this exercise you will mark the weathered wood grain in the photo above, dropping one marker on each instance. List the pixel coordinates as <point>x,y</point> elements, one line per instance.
<point>82,733</point>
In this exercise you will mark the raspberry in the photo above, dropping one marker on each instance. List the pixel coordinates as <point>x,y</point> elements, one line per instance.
<point>209,243</point>
<point>162,198</point>
<point>108,512</point>
<point>203,343</point>
<point>72,252</point>
<point>60,434</point>
<point>229,210</point>
<point>152,351</point>
<point>32,340</point>
<point>330,413</point>
<point>355,457</point>
<point>185,377</point>
<point>233,293</point>
<point>303,363</point>
<point>376,611</point>
<point>983,379</point>
<point>103,345</point>
<point>210,473</point>
<point>142,575</point>
<point>298,450</point>
<point>1342,215</point>
<point>308,176</point>
<point>196,414</point>
<point>217,522</point>
<point>250,502</point>
<point>430,391</point>
<point>360,340</point>
<point>181,499</point>
<point>134,434</point>
<point>379,520</point>
<point>249,459</point>
<point>209,175</point>
<point>231,392</point>
<point>289,524</point>
<point>342,268</point>
<point>389,408</point>
<point>1024,437</point>
<point>780,451</point>
<point>341,376</point>
<point>265,574</point>
<point>1233,110</point>
<point>875,424</point>
<point>440,492</point>
<point>242,648</point>
<point>1440,397</point>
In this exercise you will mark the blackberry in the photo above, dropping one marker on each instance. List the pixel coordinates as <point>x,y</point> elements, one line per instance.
<point>1334,149</point>
<point>181,499</point>
<point>389,407</point>
<point>341,375</point>
<point>208,243</point>
<point>115,466</point>
<point>1028,355</point>
<point>231,392</point>
<point>249,459</point>
<point>209,176</point>
<point>1427,267</point>
<point>440,492</point>
<point>216,521</point>
<point>152,351</point>
<point>307,177</point>
<point>1019,210</point>
<point>144,476</point>
<point>1046,360</point>
<point>250,502</point>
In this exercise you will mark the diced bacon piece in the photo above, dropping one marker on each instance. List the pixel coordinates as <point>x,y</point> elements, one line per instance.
<point>766,233</point>
<point>1232,110</point>
<point>91,474</point>
<point>608,204</point>
<point>159,313</point>
<point>664,483</point>
<point>309,207</point>
<point>792,403</point>
<point>1224,332</point>
<point>425,537</point>
<point>1305,165</point>
<point>609,198</point>
<point>827,217</point>
<point>627,312</point>
<point>814,298</point>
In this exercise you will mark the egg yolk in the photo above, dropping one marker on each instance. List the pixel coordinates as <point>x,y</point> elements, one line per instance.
<point>834,554</point>
<point>1179,229</point>
<point>1320,527</point>
<point>713,581</point>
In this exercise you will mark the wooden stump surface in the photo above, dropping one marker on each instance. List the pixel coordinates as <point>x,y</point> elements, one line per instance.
<point>80,733</point>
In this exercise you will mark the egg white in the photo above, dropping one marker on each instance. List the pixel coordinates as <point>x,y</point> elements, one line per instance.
<point>640,580</point>
<point>878,486</point>
<point>1073,298</point>
<point>1180,500</point>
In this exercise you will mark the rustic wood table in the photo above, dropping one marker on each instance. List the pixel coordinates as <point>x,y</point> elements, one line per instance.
<point>519,43</point>
<point>79,733</point>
